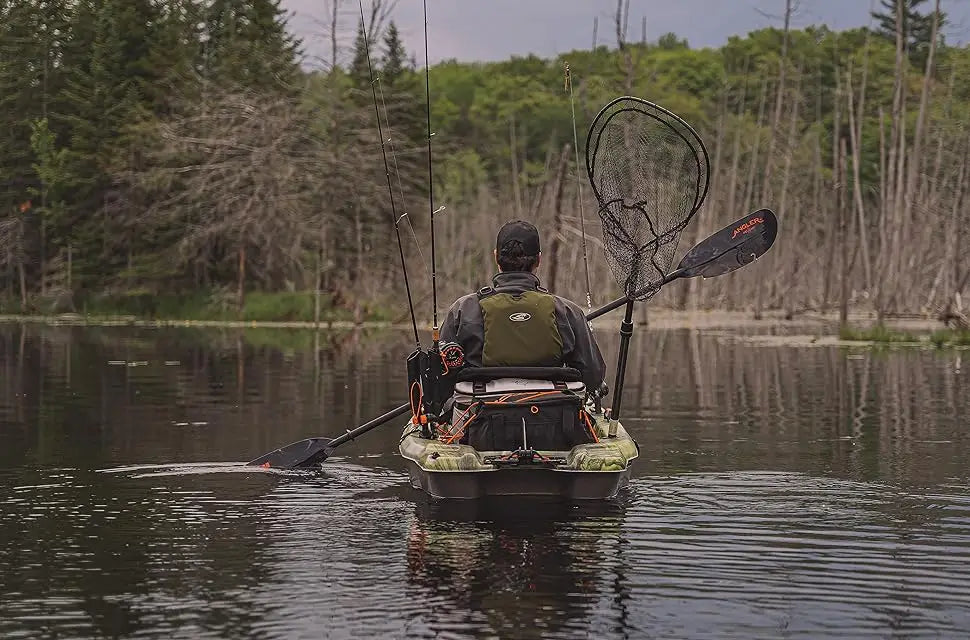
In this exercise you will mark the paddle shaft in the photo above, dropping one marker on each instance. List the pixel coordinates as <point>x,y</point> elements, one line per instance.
<point>619,302</point>
<point>367,426</point>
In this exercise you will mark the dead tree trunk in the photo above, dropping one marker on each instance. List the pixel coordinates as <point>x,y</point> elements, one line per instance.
<point>241,289</point>
<point>557,225</point>
<point>844,237</point>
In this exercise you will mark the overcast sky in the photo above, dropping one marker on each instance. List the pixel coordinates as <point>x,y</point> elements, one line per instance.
<point>497,29</point>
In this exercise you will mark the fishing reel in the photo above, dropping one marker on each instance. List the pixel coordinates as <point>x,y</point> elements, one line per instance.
<point>452,357</point>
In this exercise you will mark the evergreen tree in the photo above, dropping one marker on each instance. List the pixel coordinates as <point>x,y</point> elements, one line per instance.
<point>394,62</point>
<point>359,70</point>
<point>105,94</point>
<point>175,53</point>
<point>248,44</point>
<point>17,101</point>
<point>917,27</point>
<point>32,43</point>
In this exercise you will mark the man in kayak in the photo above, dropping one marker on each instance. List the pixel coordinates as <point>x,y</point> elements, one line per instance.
<point>517,323</point>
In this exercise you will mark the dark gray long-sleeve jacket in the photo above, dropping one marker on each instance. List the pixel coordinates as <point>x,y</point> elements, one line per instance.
<point>465,324</point>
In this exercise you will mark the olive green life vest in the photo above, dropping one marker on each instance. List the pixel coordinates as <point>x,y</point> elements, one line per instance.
<point>520,329</point>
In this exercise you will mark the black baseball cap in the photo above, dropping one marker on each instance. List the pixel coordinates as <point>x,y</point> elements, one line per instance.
<point>519,231</point>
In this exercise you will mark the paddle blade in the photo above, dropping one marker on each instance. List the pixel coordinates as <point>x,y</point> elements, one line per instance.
<point>304,453</point>
<point>734,246</point>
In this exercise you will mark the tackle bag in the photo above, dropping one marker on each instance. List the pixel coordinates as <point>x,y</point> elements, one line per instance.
<point>512,408</point>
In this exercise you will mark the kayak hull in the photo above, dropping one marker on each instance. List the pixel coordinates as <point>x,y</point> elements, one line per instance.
<point>595,471</point>
<point>517,481</point>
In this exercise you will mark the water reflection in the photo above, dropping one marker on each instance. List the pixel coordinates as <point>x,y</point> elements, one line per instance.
<point>523,569</point>
<point>782,490</point>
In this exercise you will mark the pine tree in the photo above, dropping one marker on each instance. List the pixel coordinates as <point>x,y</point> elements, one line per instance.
<point>51,190</point>
<point>32,42</point>
<point>175,54</point>
<point>917,27</point>
<point>359,69</point>
<point>110,88</point>
<point>17,100</point>
<point>248,44</point>
<point>394,62</point>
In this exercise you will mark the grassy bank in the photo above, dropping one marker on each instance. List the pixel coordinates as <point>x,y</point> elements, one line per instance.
<point>883,335</point>
<point>291,307</point>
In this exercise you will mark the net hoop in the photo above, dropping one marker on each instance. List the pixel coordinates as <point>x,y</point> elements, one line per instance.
<point>623,232</point>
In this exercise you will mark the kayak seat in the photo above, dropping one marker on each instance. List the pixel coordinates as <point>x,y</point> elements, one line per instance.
<point>491,405</point>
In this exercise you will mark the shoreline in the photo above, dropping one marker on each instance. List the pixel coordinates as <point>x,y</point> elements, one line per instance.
<point>656,319</point>
<point>78,320</point>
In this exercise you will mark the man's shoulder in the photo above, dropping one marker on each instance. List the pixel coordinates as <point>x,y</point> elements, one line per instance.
<point>465,300</point>
<point>569,306</point>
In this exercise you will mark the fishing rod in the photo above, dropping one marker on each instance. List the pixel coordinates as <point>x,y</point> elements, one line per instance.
<point>387,174</point>
<point>434,273</point>
<point>579,184</point>
<point>427,371</point>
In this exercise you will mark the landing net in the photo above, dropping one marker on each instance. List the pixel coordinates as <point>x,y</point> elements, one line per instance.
<point>650,173</point>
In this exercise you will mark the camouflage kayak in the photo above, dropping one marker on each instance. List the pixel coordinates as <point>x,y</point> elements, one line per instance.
<point>590,471</point>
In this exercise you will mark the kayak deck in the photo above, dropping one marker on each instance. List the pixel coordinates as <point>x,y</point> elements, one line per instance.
<point>593,471</point>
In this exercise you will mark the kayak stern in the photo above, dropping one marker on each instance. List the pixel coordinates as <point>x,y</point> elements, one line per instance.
<point>594,471</point>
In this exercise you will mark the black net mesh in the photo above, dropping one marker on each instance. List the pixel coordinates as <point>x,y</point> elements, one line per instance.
<point>650,173</point>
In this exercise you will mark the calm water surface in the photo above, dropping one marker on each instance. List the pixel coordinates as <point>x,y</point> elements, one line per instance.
<point>782,492</point>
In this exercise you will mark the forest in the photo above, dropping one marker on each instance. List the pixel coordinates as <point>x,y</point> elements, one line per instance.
<point>187,158</point>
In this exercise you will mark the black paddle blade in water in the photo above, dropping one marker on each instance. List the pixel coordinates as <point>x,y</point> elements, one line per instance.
<point>304,453</point>
<point>734,246</point>
<point>313,451</point>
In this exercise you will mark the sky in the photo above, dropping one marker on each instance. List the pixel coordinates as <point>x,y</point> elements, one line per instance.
<point>483,30</point>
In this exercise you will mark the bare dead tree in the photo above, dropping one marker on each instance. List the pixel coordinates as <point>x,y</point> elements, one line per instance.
<point>13,251</point>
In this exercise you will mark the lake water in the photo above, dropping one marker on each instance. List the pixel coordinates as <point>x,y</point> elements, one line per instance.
<point>782,492</point>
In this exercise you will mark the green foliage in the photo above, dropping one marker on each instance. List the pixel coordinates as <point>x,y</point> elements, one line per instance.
<point>671,42</point>
<point>950,337</point>
<point>875,333</point>
<point>296,306</point>
<point>249,44</point>
<point>463,174</point>
<point>49,166</point>
<point>278,306</point>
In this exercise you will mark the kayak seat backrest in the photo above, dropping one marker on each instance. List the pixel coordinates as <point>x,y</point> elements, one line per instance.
<point>511,385</point>
<point>486,380</point>
<point>563,374</point>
